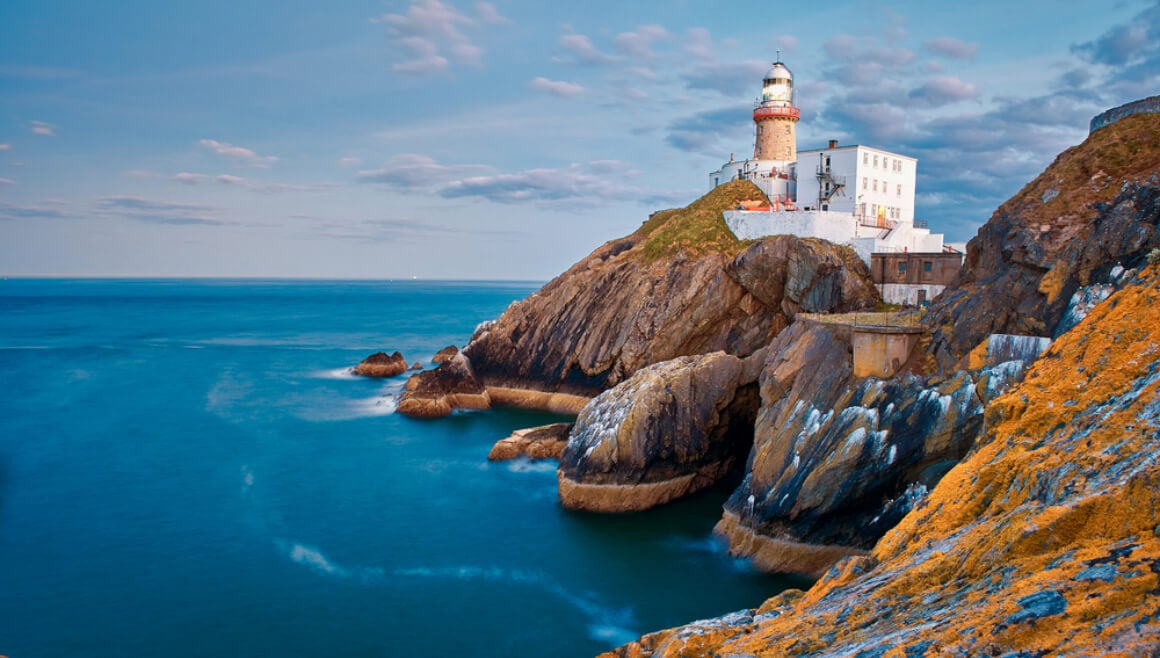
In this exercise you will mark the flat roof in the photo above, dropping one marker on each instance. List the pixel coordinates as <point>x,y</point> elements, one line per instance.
<point>858,146</point>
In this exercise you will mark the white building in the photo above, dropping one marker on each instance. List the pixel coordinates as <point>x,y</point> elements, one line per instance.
<point>855,195</point>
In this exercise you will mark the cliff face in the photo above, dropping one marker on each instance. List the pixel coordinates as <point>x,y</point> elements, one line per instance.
<point>1045,540</point>
<point>838,459</point>
<point>1094,209</point>
<point>680,285</point>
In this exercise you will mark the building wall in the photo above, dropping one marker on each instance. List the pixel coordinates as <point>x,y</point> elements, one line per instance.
<point>765,174</point>
<point>881,354</point>
<point>915,268</point>
<point>873,178</point>
<point>776,139</point>
<point>907,294</point>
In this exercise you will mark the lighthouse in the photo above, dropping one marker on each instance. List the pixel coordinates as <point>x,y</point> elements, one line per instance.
<point>776,117</point>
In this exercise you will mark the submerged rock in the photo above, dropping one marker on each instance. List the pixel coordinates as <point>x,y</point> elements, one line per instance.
<point>669,430</point>
<point>381,364</point>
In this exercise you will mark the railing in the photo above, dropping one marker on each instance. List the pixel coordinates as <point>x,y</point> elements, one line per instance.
<point>920,223</point>
<point>873,220</point>
<point>777,111</point>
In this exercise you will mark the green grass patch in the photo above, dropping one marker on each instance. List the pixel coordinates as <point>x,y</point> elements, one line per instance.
<point>698,228</point>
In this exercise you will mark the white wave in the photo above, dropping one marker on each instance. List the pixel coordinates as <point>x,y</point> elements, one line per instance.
<point>525,465</point>
<point>315,560</point>
<point>346,373</point>
<point>376,406</point>
<point>606,624</point>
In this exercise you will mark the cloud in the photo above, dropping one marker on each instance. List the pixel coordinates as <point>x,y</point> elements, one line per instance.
<point>698,44</point>
<point>238,153</point>
<point>638,44</point>
<point>394,230</point>
<point>7,181</point>
<point>157,212</point>
<point>705,132</point>
<point>556,87</point>
<point>599,181</point>
<point>349,162</point>
<point>190,178</point>
<point>432,34</point>
<point>728,78</point>
<point>786,42</point>
<point>1119,45</point>
<point>5,146</point>
<point>414,172</point>
<point>951,48</point>
<point>44,210</point>
<point>42,128</point>
<point>580,46</point>
<point>943,90</point>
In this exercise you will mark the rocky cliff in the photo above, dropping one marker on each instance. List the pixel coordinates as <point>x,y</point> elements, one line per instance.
<point>1044,540</point>
<point>1089,215</point>
<point>680,285</point>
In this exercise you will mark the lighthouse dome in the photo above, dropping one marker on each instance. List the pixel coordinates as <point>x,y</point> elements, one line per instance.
<point>777,85</point>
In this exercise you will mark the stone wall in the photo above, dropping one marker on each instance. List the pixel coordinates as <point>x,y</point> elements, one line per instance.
<point>1150,105</point>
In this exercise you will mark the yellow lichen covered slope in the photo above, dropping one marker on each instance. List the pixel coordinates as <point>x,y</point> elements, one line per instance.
<point>1044,540</point>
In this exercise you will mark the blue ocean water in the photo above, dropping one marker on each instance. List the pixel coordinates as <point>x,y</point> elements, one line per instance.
<point>187,468</point>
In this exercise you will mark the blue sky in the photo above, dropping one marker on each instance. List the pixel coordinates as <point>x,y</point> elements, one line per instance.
<point>501,140</point>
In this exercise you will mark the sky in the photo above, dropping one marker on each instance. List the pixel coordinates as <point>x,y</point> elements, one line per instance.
<point>453,139</point>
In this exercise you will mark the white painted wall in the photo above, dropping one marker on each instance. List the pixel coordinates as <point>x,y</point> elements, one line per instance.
<point>907,293</point>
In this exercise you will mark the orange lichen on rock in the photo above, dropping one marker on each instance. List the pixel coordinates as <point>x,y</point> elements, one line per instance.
<point>1045,539</point>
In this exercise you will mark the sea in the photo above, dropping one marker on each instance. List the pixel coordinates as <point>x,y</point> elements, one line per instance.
<point>190,468</point>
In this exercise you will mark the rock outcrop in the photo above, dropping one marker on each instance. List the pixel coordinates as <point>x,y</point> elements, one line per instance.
<point>445,354</point>
<point>671,429</point>
<point>681,285</point>
<point>1094,211</point>
<point>436,393</point>
<point>837,459</point>
<point>1044,540</point>
<point>535,443</point>
<point>381,364</point>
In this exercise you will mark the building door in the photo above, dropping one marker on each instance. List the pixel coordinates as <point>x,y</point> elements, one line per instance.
<point>921,296</point>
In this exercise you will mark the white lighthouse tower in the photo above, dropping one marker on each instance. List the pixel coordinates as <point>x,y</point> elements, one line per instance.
<point>775,141</point>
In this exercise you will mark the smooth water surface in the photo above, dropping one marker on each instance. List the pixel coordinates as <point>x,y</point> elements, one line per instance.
<point>187,468</point>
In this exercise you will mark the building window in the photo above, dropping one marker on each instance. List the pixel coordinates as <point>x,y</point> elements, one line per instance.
<point>875,162</point>
<point>865,158</point>
<point>898,192</point>
<point>901,267</point>
<point>864,182</point>
<point>927,266</point>
<point>875,184</point>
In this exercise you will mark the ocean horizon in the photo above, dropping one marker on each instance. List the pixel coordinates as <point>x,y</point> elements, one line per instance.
<point>188,466</point>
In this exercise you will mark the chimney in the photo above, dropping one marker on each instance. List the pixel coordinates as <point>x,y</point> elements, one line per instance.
<point>833,143</point>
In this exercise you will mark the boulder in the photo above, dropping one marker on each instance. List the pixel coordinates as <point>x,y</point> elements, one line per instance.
<point>445,354</point>
<point>671,429</point>
<point>381,364</point>
<point>535,443</point>
<point>436,393</point>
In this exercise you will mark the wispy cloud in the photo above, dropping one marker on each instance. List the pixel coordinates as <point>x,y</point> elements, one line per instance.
<point>189,178</point>
<point>5,146</point>
<point>951,48</point>
<point>42,128</point>
<point>432,34</point>
<point>412,172</point>
<point>349,162</point>
<point>558,88</point>
<point>639,43</point>
<point>158,212</point>
<point>581,51</point>
<point>238,153</point>
<point>7,181</point>
<point>943,90</point>
<point>44,210</point>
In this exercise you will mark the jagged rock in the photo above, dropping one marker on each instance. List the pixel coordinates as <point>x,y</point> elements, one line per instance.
<point>1019,278</point>
<point>1044,540</point>
<point>435,393</point>
<point>381,364</point>
<point>671,429</point>
<point>416,366</point>
<point>445,354</point>
<point>641,300</point>
<point>543,442</point>
<point>838,459</point>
